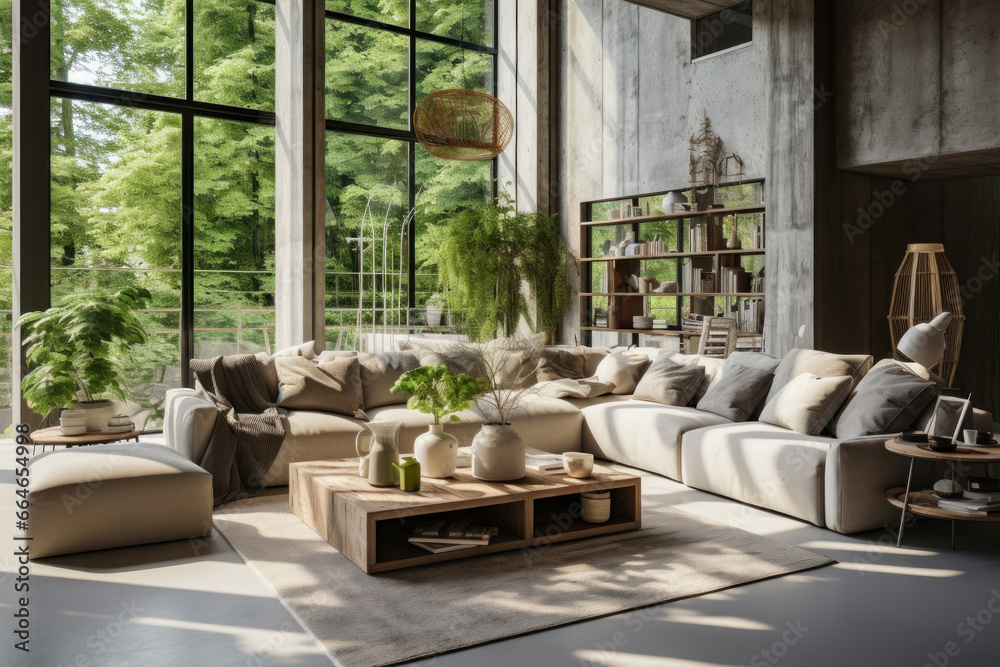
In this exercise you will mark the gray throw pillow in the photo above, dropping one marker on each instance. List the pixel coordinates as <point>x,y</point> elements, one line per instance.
<point>888,399</point>
<point>669,383</point>
<point>807,403</point>
<point>738,393</point>
<point>328,386</point>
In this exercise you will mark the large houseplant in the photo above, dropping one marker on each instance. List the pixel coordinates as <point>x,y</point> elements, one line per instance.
<point>488,252</point>
<point>76,352</point>
<point>436,391</point>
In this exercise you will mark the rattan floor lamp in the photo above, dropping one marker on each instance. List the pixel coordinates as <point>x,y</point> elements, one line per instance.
<point>926,285</point>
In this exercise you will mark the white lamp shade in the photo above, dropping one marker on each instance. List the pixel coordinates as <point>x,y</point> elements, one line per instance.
<point>925,343</point>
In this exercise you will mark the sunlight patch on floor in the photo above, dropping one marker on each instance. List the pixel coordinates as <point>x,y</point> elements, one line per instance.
<point>897,569</point>
<point>865,547</point>
<point>730,622</point>
<point>618,659</point>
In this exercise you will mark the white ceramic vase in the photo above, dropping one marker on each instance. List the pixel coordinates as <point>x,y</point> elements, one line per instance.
<point>96,413</point>
<point>498,454</point>
<point>436,452</point>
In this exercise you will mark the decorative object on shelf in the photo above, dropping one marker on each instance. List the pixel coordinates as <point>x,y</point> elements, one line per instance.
<point>381,453</point>
<point>409,474</point>
<point>673,202</point>
<point>460,124</point>
<point>710,166</point>
<point>595,506</point>
<point>578,464</point>
<point>669,287</point>
<point>926,288</point>
<point>642,322</point>
<point>948,488</point>
<point>77,352</point>
<point>434,390</point>
<point>734,238</point>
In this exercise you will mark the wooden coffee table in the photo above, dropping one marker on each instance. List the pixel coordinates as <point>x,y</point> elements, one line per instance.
<point>49,437</point>
<point>370,525</point>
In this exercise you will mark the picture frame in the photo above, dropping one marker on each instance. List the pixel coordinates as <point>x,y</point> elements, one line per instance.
<point>949,416</point>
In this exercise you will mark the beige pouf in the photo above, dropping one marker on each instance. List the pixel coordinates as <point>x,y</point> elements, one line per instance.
<point>107,496</point>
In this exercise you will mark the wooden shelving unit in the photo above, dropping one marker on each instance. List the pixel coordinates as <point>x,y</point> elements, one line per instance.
<point>623,306</point>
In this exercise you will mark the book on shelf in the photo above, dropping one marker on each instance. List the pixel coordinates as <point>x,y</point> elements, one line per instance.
<point>972,503</point>
<point>750,316</point>
<point>438,548</point>
<point>543,462</point>
<point>447,532</point>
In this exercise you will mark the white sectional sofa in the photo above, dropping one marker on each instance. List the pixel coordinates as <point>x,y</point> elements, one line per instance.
<point>836,483</point>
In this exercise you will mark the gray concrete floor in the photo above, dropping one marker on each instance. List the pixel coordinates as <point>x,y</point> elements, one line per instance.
<point>179,604</point>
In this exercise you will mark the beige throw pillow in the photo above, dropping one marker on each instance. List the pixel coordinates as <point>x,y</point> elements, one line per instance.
<point>558,364</point>
<point>818,363</point>
<point>807,403</point>
<point>669,383</point>
<point>379,373</point>
<point>329,386</point>
<point>621,370</point>
<point>268,370</point>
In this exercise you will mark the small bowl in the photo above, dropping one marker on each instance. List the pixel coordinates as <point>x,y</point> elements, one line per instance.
<point>942,443</point>
<point>578,464</point>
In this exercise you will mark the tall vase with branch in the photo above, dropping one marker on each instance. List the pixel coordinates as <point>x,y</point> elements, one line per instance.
<point>498,450</point>
<point>710,165</point>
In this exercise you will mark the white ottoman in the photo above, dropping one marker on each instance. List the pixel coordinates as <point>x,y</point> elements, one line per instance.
<point>107,496</point>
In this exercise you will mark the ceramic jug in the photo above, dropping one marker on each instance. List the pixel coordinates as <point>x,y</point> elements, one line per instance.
<point>381,452</point>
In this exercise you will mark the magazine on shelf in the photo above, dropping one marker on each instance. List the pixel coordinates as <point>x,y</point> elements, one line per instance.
<point>452,533</point>
<point>438,548</point>
<point>543,462</point>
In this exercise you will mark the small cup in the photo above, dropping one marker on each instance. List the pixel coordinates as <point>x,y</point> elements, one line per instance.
<point>578,464</point>
<point>970,436</point>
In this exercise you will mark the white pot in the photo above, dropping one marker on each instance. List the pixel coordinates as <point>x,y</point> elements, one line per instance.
<point>436,452</point>
<point>434,316</point>
<point>96,413</point>
<point>498,454</point>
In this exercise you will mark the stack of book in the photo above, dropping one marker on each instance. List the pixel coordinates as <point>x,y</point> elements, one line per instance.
<point>757,241</point>
<point>734,279</point>
<point>696,238</point>
<point>440,537</point>
<point>750,316</point>
<point>973,502</point>
<point>660,324</point>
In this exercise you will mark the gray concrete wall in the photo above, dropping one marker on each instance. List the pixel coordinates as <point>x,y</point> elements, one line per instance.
<point>631,98</point>
<point>917,79</point>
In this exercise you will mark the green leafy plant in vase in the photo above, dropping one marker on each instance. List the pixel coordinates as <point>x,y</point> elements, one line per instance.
<point>436,391</point>
<point>76,352</point>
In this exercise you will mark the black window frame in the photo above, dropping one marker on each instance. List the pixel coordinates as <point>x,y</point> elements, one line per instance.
<point>705,34</point>
<point>409,135</point>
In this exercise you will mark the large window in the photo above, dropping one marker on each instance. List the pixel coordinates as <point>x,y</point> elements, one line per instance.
<point>162,173</point>
<point>387,197</point>
<point>6,214</point>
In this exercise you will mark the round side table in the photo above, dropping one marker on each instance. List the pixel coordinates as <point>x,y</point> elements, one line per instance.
<point>924,503</point>
<point>50,437</point>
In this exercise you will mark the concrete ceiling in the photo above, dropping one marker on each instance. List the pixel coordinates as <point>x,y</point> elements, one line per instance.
<point>688,9</point>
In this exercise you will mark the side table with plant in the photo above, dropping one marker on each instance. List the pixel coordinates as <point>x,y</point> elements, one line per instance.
<point>76,352</point>
<point>434,390</point>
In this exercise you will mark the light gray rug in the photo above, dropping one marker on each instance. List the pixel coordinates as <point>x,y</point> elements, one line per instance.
<point>403,615</point>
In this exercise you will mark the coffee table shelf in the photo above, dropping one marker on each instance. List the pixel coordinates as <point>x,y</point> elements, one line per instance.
<point>370,526</point>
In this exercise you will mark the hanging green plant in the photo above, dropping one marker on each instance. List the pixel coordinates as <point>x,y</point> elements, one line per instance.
<point>489,251</point>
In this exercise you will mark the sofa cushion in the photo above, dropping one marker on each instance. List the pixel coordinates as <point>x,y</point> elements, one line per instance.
<point>820,364</point>
<point>760,464</point>
<point>669,383</point>
<point>807,403</point>
<point>107,496</point>
<point>458,356</point>
<point>621,370</point>
<point>737,395</point>
<point>270,372</point>
<point>567,388</point>
<point>592,357</point>
<point>889,398</point>
<point>641,434</point>
<point>379,372</point>
<point>327,386</point>
<point>556,363</point>
<point>312,436</point>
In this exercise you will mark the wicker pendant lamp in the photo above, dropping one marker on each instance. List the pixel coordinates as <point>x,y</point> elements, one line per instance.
<point>463,124</point>
<point>926,286</point>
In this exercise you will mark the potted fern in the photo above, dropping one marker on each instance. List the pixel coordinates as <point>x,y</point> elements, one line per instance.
<point>434,390</point>
<point>76,352</point>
